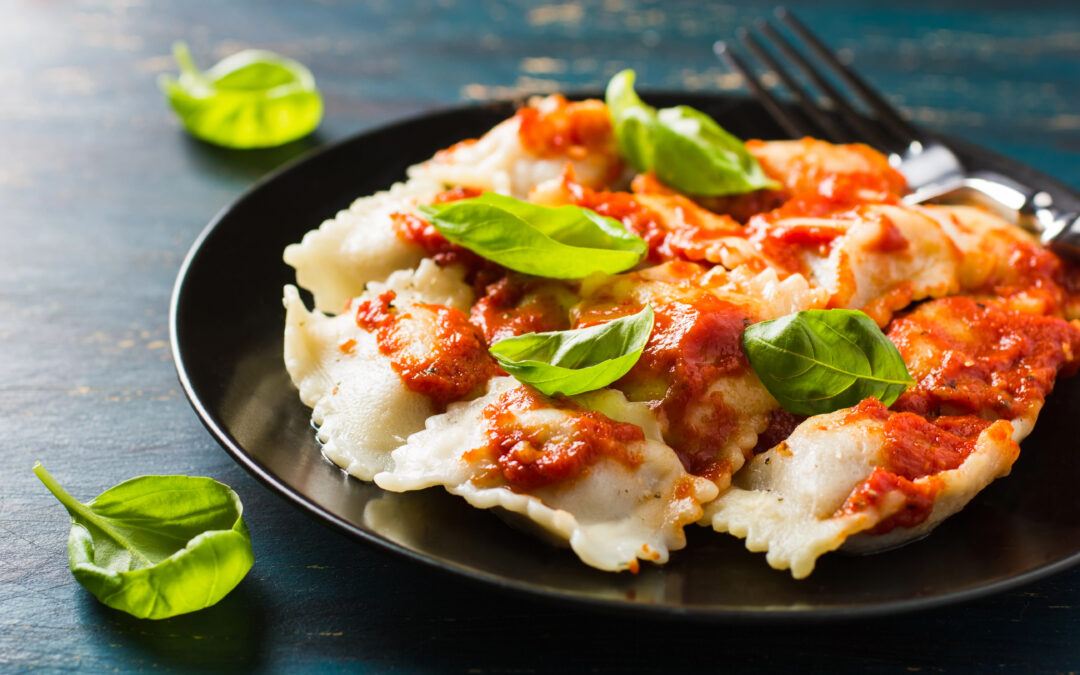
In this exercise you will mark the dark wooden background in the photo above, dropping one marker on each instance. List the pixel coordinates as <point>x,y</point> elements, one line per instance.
<point>101,195</point>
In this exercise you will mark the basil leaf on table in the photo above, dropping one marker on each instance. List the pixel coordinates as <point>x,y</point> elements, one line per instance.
<point>576,361</point>
<point>565,242</point>
<point>252,99</point>
<point>157,546</point>
<point>686,148</point>
<point>821,360</point>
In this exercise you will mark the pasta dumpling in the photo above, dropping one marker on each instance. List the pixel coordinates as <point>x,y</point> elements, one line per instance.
<point>837,475</point>
<point>349,382</point>
<point>515,450</point>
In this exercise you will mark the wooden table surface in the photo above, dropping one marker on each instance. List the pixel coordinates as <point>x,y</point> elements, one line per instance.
<point>101,194</point>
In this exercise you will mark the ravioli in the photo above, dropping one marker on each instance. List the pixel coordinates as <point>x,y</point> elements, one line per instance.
<point>711,404</point>
<point>404,392</point>
<point>982,374</point>
<point>629,505</point>
<point>831,480</point>
<point>360,406</point>
<point>881,257</point>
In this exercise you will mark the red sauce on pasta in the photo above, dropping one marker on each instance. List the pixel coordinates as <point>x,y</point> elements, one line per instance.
<point>514,305</point>
<point>683,231</point>
<point>531,456</point>
<point>914,447</point>
<point>478,271</point>
<point>572,129</point>
<point>693,343</point>
<point>784,244</point>
<point>986,359</point>
<point>739,207</point>
<point>805,171</point>
<point>416,230</point>
<point>441,356</point>
<point>891,238</point>
<point>623,207</point>
<point>883,485</point>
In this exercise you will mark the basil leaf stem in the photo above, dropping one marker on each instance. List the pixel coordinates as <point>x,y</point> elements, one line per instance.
<point>252,99</point>
<point>157,546</point>
<point>686,148</point>
<point>821,360</point>
<point>573,362</point>
<point>565,242</point>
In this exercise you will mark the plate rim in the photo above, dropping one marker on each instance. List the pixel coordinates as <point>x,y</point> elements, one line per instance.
<point>659,610</point>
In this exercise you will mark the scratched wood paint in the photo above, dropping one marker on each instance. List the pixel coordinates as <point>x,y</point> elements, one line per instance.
<point>101,195</point>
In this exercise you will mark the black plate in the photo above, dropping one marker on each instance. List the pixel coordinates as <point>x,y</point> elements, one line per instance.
<point>226,328</point>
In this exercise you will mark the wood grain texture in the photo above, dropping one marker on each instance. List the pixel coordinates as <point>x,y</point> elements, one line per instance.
<point>101,195</point>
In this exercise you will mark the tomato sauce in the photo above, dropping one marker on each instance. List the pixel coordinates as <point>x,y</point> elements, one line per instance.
<point>478,271</point>
<point>739,207</point>
<point>913,448</point>
<point>623,207</point>
<point>693,343</point>
<point>532,456</point>
<point>916,447</point>
<point>685,236</point>
<point>883,485</point>
<point>416,230</point>
<point>785,244</point>
<point>891,238</point>
<point>568,129</point>
<point>456,194</point>
<point>514,305</point>
<point>990,360</point>
<point>453,361</point>
<point>808,171</point>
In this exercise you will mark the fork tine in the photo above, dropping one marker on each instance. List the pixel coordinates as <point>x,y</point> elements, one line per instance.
<point>877,103</point>
<point>809,108</point>
<point>794,128</point>
<point>866,132</point>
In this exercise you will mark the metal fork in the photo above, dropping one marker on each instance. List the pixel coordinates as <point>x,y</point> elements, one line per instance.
<point>932,170</point>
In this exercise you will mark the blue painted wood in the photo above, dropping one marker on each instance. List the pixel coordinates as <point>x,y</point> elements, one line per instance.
<point>101,194</point>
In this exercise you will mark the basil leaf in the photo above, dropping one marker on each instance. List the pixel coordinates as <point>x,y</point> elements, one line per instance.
<point>822,360</point>
<point>157,546</point>
<point>686,148</point>
<point>566,242</point>
<point>576,361</point>
<point>252,99</point>
<point>634,121</point>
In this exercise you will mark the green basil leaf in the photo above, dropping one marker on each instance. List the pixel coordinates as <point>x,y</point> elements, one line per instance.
<point>634,121</point>
<point>686,148</point>
<point>822,360</point>
<point>694,154</point>
<point>567,242</point>
<point>157,546</point>
<point>252,99</point>
<point>576,361</point>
